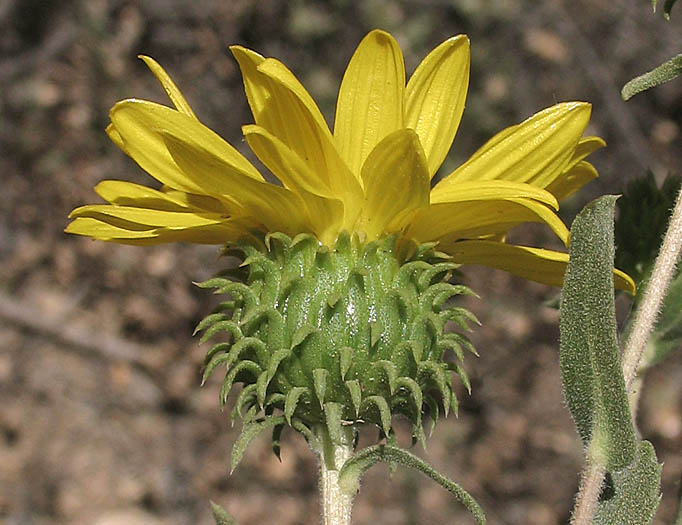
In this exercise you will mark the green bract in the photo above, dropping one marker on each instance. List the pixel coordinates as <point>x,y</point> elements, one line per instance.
<point>337,337</point>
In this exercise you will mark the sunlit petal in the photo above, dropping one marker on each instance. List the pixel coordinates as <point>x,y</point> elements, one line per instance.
<point>371,98</point>
<point>140,124</point>
<point>535,151</point>
<point>169,86</point>
<point>575,178</point>
<point>534,264</point>
<point>284,108</point>
<point>397,182</point>
<point>435,97</point>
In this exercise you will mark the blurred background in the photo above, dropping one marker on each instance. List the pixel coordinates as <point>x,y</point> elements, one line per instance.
<point>102,419</point>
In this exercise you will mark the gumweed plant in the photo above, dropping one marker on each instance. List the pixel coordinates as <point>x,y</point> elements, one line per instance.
<point>343,310</point>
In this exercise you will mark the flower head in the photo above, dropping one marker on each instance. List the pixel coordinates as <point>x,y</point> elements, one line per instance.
<point>371,176</point>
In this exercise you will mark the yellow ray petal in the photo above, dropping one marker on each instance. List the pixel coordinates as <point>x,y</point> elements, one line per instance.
<point>470,219</point>
<point>139,219</point>
<point>371,98</point>
<point>284,108</point>
<point>490,189</point>
<point>535,151</point>
<point>534,264</point>
<point>115,137</point>
<point>142,125</point>
<point>397,182</point>
<point>435,97</point>
<point>325,211</point>
<point>206,234</point>
<point>169,86</point>
<point>586,146</point>
<point>130,194</point>
<point>277,208</point>
<point>568,183</point>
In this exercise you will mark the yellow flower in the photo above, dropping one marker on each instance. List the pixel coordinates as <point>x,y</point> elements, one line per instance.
<point>371,175</point>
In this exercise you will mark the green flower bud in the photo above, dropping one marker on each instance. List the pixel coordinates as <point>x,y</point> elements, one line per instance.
<point>338,337</point>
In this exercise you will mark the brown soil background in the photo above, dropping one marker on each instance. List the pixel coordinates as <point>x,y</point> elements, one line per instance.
<point>102,419</point>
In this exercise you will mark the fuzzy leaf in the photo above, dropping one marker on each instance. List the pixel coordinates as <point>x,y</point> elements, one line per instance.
<point>415,391</point>
<point>355,392</point>
<point>663,73</point>
<point>391,373</point>
<point>383,408</point>
<point>320,383</point>
<point>276,438</point>
<point>293,397</point>
<point>439,378</point>
<point>353,470</point>
<point>249,432</point>
<point>636,491</point>
<point>301,334</point>
<point>221,516</point>
<point>345,360</point>
<point>590,361</point>
<point>332,415</point>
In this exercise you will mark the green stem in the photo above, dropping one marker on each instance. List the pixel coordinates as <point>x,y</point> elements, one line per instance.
<point>335,506</point>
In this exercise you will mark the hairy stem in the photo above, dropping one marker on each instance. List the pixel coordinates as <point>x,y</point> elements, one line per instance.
<point>335,506</point>
<point>590,487</point>
<point>656,289</point>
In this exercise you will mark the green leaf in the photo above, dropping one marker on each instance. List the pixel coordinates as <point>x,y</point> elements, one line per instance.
<point>249,432</point>
<point>353,470</point>
<point>320,383</point>
<point>292,399</point>
<point>635,493</point>
<point>590,361</point>
<point>663,73</point>
<point>383,409</point>
<point>221,516</point>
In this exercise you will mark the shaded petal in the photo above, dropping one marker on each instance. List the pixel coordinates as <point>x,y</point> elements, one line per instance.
<point>169,86</point>
<point>282,106</point>
<point>495,189</point>
<point>568,183</point>
<point>207,234</point>
<point>397,182</point>
<point>325,211</point>
<point>535,151</point>
<point>435,97</point>
<point>115,137</point>
<point>131,194</point>
<point>371,98</point>
<point>586,146</point>
<point>534,264</point>
<point>277,208</point>
<point>139,219</point>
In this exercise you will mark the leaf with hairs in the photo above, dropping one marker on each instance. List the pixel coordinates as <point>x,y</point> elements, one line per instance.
<point>635,491</point>
<point>353,470</point>
<point>665,72</point>
<point>589,356</point>
<point>221,516</point>
<point>249,432</point>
